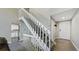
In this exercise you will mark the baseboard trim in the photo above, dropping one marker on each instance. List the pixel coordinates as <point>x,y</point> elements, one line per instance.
<point>63,38</point>
<point>74,45</point>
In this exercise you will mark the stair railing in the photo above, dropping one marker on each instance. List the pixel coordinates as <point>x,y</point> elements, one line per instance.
<point>40,32</point>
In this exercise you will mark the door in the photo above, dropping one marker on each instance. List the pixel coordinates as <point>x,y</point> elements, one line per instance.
<point>64,30</point>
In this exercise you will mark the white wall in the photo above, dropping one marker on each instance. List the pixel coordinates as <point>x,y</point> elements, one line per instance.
<point>75,31</point>
<point>53,30</point>
<point>7,17</point>
<point>64,30</point>
<point>42,15</point>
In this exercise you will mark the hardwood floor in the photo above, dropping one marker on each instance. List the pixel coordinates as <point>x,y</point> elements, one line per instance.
<point>63,45</point>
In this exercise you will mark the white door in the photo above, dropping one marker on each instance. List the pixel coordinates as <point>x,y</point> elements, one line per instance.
<point>64,30</point>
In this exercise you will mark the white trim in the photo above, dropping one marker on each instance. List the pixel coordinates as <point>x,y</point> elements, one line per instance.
<point>35,20</point>
<point>74,45</point>
<point>24,20</point>
<point>62,38</point>
<point>27,35</point>
<point>34,35</point>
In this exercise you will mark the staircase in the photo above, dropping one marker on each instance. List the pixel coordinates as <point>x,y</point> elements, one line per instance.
<point>40,37</point>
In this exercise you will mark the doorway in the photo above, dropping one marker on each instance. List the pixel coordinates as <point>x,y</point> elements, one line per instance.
<point>64,30</point>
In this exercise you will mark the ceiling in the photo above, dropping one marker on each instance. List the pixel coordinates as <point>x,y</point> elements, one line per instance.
<point>58,10</point>
<point>58,14</point>
<point>62,14</point>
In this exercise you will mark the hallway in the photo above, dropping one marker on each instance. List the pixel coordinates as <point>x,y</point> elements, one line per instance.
<point>63,45</point>
<point>36,29</point>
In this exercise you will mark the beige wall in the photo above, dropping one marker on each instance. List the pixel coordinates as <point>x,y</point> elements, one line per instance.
<point>7,17</point>
<point>75,31</point>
